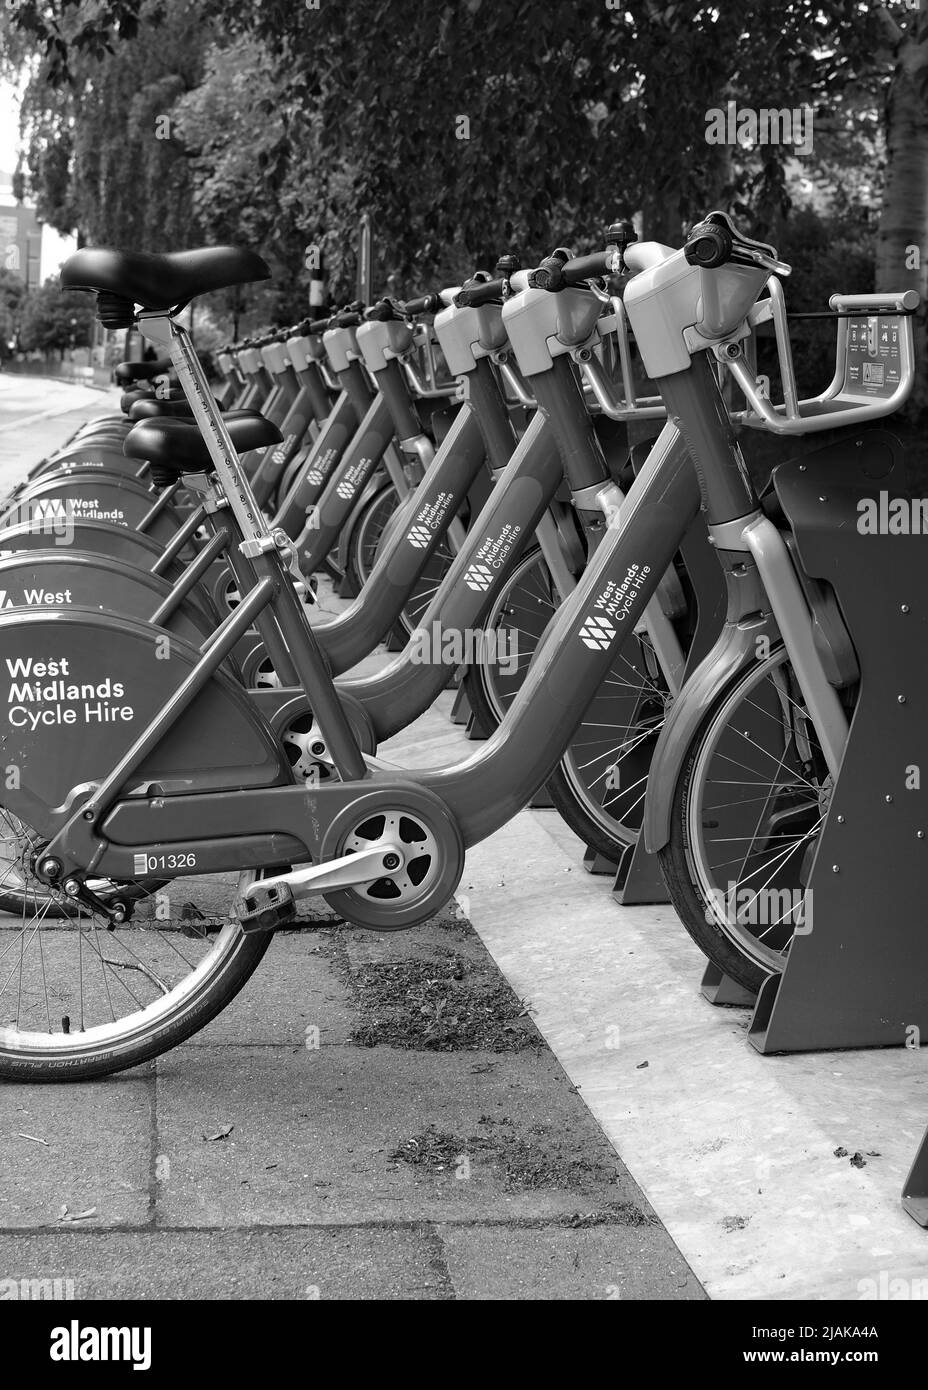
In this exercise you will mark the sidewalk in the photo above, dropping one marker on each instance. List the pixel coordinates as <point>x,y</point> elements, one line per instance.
<point>431,1146</point>
<point>37,415</point>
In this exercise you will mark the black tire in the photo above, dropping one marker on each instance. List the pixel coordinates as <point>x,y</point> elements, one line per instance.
<point>96,996</point>
<point>750,963</point>
<point>370,526</point>
<point>202,1007</point>
<point>688,904</point>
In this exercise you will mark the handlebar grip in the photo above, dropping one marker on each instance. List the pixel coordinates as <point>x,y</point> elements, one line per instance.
<point>425,304</point>
<point>548,274</point>
<point>709,246</point>
<point>554,274</point>
<point>484,292</point>
<point>384,311</point>
<point>346,319</point>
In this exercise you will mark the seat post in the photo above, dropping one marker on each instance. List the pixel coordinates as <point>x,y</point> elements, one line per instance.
<point>161,329</point>
<point>261,547</point>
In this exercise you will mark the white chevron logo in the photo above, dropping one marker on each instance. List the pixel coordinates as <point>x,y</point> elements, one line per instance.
<point>52,509</point>
<point>314,476</point>
<point>345,490</point>
<point>596,633</point>
<point>478,578</point>
<point>419,536</point>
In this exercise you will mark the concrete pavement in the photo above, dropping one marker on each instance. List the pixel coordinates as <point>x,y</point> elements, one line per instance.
<point>37,414</point>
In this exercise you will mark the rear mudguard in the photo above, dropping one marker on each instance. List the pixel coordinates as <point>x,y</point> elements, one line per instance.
<point>68,578</point>
<point>89,456</point>
<point>51,468</point>
<point>78,688</point>
<point>67,470</point>
<point>99,538</point>
<point>735,651</point>
<point>96,497</point>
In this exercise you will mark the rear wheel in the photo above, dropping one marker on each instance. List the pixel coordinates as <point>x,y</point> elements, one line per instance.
<point>82,996</point>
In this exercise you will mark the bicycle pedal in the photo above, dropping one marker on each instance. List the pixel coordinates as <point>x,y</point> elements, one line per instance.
<point>266,909</point>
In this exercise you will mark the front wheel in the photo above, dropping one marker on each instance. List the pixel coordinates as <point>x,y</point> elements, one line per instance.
<point>750,802</point>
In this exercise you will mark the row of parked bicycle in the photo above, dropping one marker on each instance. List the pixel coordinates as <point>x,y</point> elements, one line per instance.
<point>531,484</point>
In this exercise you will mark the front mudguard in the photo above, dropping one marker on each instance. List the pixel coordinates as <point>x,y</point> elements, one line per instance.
<point>736,650</point>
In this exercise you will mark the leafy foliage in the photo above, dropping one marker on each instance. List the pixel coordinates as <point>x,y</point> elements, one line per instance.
<point>572,113</point>
<point>54,320</point>
<point>12,295</point>
<point>100,151</point>
<point>464,129</point>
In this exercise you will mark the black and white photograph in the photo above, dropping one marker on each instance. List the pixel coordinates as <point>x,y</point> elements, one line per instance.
<point>463,671</point>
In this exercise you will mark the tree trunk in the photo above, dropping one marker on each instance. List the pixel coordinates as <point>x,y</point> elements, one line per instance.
<point>902,243</point>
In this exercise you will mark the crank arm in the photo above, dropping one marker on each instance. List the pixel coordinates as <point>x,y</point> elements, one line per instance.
<point>269,903</point>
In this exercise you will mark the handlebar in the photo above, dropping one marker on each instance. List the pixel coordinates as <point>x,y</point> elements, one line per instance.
<point>717,241</point>
<point>559,272</point>
<point>384,311</point>
<point>480,292</point>
<point>424,304</point>
<point>709,246</point>
<point>344,318</point>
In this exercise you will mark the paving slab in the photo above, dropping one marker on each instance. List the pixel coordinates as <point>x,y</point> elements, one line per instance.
<point>89,1150</point>
<point>347,1135</point>
<point>314,1264</point>
<point>608,1263</point>
<point>294,989</point>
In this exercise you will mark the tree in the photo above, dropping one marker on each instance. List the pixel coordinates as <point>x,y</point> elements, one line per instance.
<point>465,128</point>
<point>256,166</point>
<point>504,119</point>
<point>902,242</point>
<point>55,320</point>
<point>102,154</point>
<point>12,294</point>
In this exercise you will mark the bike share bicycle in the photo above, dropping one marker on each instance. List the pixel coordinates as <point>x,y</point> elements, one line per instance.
<point>190,778</point>
<point>468,338</point>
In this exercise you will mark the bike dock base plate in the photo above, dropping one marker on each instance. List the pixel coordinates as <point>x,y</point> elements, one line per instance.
<point>638,878</point>
<point>720,989</point>
<point>915,1191</point>
<point>596,863</point>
